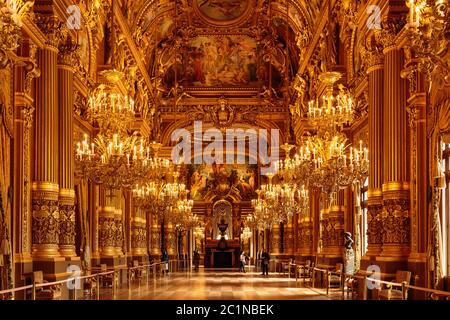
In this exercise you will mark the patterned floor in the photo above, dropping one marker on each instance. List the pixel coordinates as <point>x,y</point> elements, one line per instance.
<point>222,285</point>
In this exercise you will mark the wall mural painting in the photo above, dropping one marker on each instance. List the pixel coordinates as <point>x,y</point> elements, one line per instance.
<point>208,181</point>
<point>223,61</point>
<point>222,10</point>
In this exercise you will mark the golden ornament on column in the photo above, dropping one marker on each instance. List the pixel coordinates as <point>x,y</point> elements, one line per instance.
<point>67,60</point>
<point>45,216</point>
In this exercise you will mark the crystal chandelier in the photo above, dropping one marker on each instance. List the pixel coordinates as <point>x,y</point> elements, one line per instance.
<point>335,165</point>
<point>326,160</point>
<point>110,110</point>
<point>262,218</point>
<point>118,161</point>
<point>428,33</point>
<point>331,111</point>
<point>246,234</point>
<point>11,14</point>
<point>168,200</point>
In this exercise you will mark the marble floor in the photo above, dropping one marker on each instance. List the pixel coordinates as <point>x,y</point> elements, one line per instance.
<point>221,285</point>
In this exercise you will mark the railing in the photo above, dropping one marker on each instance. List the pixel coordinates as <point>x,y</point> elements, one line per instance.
<point>346,278</point>
<point>94,281</point>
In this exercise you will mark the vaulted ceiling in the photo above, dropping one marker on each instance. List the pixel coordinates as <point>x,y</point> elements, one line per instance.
<point>197,51</point>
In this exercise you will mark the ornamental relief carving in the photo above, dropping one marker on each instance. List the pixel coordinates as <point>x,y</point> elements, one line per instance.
<point>333,234</point>
<point>375,224</point>
<point>107,232</point>
<point>45,222</point>
<point>155,239</point>
<point>396,221</point>
<point>67,225</point>
<point>118,236</point>
<point>138,237</point>
<point>171,243</point>
<point>305,237</point>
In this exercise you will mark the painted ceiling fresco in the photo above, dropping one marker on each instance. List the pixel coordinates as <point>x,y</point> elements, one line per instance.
<point>227,60</point>
<point>208,181</point>
<point>222,10</point>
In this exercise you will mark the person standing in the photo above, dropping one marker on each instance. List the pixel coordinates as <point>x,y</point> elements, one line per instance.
<point>265,262</point>
<point>196,260</point>
<point>165,261</point>
<point>243,259</point>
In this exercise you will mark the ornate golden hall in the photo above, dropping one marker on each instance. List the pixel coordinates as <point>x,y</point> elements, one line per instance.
<point>224,150</point>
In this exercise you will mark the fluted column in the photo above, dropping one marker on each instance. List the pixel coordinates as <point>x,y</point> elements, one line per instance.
<point>395,215</point>
<point>419,171</point>
<point>375,59</point>
<point>24,101</point>
<point>45,188</point>
<point>67,60</point>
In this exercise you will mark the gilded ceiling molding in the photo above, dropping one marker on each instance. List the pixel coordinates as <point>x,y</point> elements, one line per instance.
<point>187,124</point>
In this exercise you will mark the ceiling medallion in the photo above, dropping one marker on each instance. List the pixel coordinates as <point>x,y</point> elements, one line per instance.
<point>223,12</point>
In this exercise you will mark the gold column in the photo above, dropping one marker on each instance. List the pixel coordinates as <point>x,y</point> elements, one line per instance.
<point>138,234</point>
<point>395,215</point>
<point>171,239</point>
<point>155,236</point>
<point>45,206</point>
<point>333,228</point>
<point>119,232</point>
<point>315,222</point>
<point>24,102</point>
<point>289,239</point>
<point>67,60</point>
<point>419,170</point>
<point>94,205</point>
<point>107,229</point>
<point>373,54</point>
<point>305,236</point>
<point>275,240</point>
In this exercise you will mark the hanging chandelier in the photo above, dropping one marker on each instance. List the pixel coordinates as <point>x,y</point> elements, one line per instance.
<point>112,111</point>
<point>246,234</point>
<point>168,200</point>
<point>331,112</point>
<point>327,160</point>
<point>334,164</point>
<point>262,218</point>
<point>118,161</point>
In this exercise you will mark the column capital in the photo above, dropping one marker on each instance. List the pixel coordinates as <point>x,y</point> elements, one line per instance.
<point>372,54</point>
<point>52,27</point>
<point>68,53</point>
<point>387,35</point>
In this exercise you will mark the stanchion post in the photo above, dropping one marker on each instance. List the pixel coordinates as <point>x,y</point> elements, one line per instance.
<point>98,287</point>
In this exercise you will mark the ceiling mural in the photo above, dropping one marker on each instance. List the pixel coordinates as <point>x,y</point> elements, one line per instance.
<point>222,10</point>
<point>207,182</point>
<point>215,61</point>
